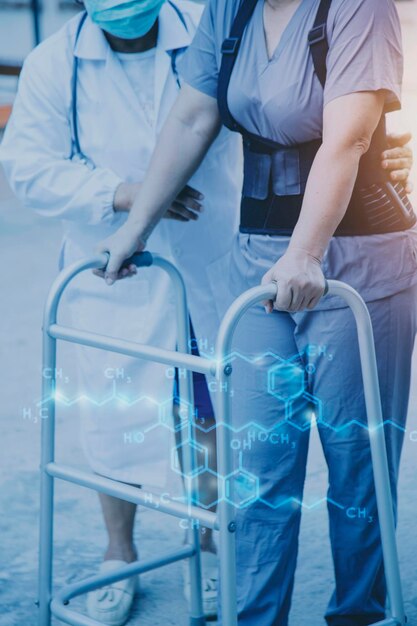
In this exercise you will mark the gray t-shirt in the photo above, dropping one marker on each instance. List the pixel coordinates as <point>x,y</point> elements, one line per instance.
<point>282,98</point>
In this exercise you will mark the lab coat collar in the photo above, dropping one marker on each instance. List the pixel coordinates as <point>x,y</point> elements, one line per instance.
<point>172,35</point>
<point>91,43</point>
<point>172,32</point>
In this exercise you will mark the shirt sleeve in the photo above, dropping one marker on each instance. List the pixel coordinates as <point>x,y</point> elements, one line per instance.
<point>35,155</point>
<point>199,65</point>
<point>365,51</point>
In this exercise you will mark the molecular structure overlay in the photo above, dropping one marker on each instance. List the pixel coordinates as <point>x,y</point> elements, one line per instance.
<point>298,410</point>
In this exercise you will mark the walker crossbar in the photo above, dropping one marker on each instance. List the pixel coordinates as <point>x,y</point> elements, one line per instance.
<point>130,348</point>
<point>132,494</point>
<point>62,598</point>
<point>221,368</point>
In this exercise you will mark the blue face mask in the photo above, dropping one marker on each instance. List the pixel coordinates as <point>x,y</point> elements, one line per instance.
<point>128,19</point>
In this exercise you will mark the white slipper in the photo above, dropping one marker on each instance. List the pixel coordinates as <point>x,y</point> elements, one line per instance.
<point>209,579</point>
<point>112,604</point>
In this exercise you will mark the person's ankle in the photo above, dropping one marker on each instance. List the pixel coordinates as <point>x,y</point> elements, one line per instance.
<point>208,546</point>
<point>121,553</point>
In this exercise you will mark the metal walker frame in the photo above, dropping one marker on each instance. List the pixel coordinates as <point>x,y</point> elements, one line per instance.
<point>220,368</point>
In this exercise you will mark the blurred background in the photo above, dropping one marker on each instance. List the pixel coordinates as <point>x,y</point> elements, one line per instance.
<point>29,248</point>
<point>23,23</point>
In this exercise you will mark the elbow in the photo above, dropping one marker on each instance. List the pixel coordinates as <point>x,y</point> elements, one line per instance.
<point>360,145</point>
<point>197,114</point>
<point>348,148</point>
<point>201,124</point>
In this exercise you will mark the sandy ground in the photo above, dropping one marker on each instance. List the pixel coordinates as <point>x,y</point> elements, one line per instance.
<point>29,246</point>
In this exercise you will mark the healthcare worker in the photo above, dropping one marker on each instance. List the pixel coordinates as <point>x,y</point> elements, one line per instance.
<point>91,102</point>
<point>306,83</point>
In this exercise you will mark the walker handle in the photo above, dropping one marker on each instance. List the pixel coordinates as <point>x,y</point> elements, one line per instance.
<point>141,259</point>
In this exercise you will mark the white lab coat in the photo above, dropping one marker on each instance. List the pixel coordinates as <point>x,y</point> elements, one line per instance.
<point>121,438</point>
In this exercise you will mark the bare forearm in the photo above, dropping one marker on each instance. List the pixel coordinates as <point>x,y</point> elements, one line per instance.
<point>180,150</point>
<point>326,198</point>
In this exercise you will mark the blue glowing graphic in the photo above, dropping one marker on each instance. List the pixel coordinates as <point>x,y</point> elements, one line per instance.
<point>241,488</point>
<point>286,381</point>
<point>304,410</point>
<point>184,410</point>
<point>200,455</point>
<point>298,410</point>
<point>204,497</point>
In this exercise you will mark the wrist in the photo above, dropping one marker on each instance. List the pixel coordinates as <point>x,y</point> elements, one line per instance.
<point>142,221</point>
<point>138,227</point>
<point>305,253</point>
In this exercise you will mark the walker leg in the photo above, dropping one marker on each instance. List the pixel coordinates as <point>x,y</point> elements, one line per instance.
<point>45,550</point>
<point>227,523</point>
<point>227,567</point>
<point>387,527</point>
<point>47,482</point>
<point>197,617</point>
<point>378,450</point>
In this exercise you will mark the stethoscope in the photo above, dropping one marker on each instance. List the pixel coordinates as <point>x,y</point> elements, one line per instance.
<point>77,153</point>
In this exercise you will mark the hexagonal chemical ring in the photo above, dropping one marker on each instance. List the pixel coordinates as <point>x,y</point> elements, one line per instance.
<point>185,411</point>
<point>286,381</point>
<point>204,498</point>
<point>201,454</point>
<point>303,409</point>
<point>241,488</point>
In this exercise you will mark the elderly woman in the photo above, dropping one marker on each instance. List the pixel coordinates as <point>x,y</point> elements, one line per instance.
<point>307,83</point>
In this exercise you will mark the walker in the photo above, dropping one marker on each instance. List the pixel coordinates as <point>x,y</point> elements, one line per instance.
<point>220,369</point>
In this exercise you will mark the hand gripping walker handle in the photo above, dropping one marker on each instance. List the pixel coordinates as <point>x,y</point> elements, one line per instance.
<point>325,292</point>
<point>140,259</point>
